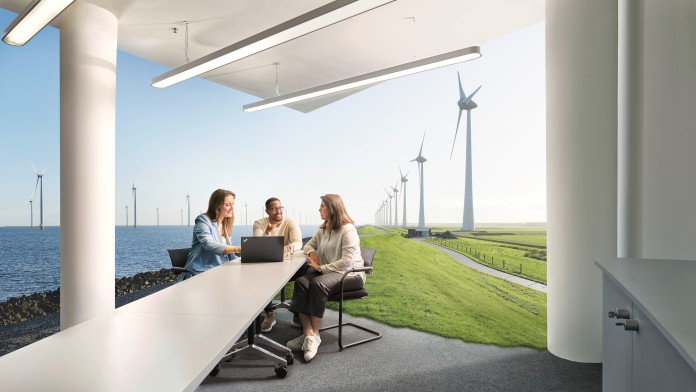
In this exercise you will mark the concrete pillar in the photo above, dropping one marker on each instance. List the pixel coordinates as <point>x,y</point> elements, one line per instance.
<point>87,171</point>
<point>630,128</point>
<point>581,160</point>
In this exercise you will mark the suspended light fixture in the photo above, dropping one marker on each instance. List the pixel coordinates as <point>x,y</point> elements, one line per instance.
<point>35,16</point>
<point>442,60</point>
<point>316,19</point>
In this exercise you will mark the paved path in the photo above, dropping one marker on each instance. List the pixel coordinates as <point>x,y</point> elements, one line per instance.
<point>487,270</point>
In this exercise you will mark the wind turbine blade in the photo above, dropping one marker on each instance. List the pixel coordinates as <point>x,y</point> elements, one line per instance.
<point>461,90</point>
<point>472,94</point>
<point>35,188</point>
<point>420,153</point>
<point>44,171</point>
<point>33,167</point>
<point>455,133</point>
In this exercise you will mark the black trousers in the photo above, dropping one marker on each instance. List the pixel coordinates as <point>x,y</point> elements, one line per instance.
<point>300,272</point>
<point>312,291</point>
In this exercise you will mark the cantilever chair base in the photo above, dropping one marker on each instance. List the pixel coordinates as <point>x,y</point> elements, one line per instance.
<point>340,326</point>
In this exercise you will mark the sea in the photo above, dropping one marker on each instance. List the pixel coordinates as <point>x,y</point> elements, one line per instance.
<point>30,258</point>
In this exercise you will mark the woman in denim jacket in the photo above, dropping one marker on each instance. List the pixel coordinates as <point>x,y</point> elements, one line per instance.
<point>212,235</point>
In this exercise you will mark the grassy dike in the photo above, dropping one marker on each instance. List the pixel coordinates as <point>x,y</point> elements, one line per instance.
<point>415,286</point>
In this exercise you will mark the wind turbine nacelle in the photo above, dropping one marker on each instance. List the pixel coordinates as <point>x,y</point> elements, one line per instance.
<point>463,105</point>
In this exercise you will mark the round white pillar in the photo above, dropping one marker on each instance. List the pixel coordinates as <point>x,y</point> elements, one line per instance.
<point>581,154</point>
<point>630,128</point>
<point>88,40</point>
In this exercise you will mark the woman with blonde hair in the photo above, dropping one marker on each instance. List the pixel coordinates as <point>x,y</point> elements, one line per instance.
<point>212,235</point>
<point>334,249</point>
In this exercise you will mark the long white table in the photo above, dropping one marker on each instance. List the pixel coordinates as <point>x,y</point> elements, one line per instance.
<point>168,341</point>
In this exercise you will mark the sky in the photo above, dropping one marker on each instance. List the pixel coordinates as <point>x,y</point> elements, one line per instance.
<point>193,138</point>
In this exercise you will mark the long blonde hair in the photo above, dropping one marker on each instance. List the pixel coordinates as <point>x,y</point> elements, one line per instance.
<point>217,198</point>
<point>338,216</point>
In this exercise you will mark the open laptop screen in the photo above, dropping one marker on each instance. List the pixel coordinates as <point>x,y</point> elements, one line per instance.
<point>262,249</point>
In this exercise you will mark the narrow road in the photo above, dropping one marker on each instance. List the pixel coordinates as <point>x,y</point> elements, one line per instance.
<point>487,270</point>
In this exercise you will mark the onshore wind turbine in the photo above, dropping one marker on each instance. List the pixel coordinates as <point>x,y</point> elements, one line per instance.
<point>39,184</point>
<point>466,103</point>
<point>135,206</point>
<point>403,189</point>
<point>396,203</point>
<point>420,159</point>
<point>389,197</point>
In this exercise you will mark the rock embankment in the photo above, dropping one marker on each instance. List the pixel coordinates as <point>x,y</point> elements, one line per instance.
<point>27,307</point>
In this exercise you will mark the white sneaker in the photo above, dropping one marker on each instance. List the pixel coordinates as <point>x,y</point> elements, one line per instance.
<point>311,345</point>
<point>296,344</point>
<point>268,322</point>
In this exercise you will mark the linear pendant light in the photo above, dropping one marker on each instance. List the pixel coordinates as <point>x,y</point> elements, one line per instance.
<point>441,60</point>
<point>316,19</point>
<point>35,17</point>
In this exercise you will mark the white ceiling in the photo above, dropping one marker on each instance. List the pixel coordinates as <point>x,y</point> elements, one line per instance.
<point>380,38</point>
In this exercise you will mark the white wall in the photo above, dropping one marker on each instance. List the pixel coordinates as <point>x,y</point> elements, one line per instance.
<point>669,126</point>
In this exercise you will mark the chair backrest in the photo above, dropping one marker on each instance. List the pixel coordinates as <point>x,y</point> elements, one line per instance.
<point>178,258</point>
<point>367,255</point>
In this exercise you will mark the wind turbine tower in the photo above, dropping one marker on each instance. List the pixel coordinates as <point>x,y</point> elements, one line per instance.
<point>420,159</point>
<point>188,206</point>
<point>389,215</point>
<point>403,189</point>
<point>126,215</point>
<point>466,103</point>
<point>135,206</point>
<point>39,185</point>
<point>396,203</point>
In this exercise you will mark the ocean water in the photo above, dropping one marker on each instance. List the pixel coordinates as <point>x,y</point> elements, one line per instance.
<point>30,258</point>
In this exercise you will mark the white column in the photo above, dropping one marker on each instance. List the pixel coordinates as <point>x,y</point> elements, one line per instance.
<point>87,168</point>
<point>630,128</point>
<point>581,154</point>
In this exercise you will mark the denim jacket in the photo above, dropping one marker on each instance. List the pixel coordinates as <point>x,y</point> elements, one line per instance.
<point>206,248</point>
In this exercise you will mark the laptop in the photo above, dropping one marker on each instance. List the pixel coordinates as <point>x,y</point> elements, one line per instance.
<point>262,249</point>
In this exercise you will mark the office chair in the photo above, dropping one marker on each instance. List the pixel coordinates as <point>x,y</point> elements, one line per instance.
<point>178,258</point>
<point>367,255</point>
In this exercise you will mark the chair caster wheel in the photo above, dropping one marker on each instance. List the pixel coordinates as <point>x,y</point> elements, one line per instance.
<point>290,359</point>
<point>281,371</point>
<point>215,371</point>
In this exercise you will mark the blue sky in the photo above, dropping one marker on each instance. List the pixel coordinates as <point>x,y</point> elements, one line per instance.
<point>193,138</point>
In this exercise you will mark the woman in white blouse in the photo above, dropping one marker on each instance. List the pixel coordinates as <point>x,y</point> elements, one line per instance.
<point>334,249</point>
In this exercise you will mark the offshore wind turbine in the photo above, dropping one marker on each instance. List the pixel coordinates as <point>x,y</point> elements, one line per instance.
<point>188,205</point>
<point>39,184</point>
<point>126,215</point>
<point>403,189</point>
<point>466,103</point>
<point>420,159</point>
<point>135,206</point>
<point>396,203</point>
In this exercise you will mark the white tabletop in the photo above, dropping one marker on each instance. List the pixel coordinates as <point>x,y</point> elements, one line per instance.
<point>168,341</point>
<point>230,289</point>
<point>665,291</point>
<point>123,351</point>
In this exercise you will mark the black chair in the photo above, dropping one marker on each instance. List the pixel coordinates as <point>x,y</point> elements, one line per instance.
<point>367,255</point>
<point>178,258</point>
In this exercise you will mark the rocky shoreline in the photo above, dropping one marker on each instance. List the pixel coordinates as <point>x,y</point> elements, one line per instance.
<point>26,319</point>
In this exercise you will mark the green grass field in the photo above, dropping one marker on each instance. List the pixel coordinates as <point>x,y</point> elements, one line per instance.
<point>418,287</point>
<point>501,256</point>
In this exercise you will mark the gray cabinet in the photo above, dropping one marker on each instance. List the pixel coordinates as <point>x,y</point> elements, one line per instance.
<point>657,296</point>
